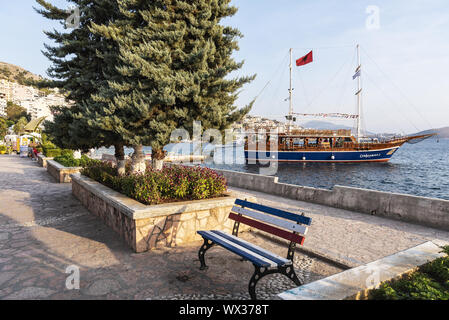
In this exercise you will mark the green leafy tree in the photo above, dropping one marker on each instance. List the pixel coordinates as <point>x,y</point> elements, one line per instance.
<point>175,62</point>
<point>3,128</point>
<point>14,112</point>
<point>19,127</point>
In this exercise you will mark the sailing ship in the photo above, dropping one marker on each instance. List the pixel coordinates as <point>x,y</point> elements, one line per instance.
<point>305,145</point>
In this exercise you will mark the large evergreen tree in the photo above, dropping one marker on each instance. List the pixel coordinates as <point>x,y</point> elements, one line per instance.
<point>175,58</point>
<point>79,68</point>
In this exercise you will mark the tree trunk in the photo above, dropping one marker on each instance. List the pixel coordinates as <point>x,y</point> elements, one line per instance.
<point>77,154</point>
<point>120,157</point>
<point>157,159</point>
<point>138,160</point>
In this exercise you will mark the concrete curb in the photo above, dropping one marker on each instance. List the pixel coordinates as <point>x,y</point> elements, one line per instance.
<point>355,283</point>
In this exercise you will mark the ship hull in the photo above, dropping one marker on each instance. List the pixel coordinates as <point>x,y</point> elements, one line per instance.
<point>380,155</point>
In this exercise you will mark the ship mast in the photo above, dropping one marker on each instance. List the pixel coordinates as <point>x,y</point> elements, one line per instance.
<point>290,114</point>
<point>359,96</point>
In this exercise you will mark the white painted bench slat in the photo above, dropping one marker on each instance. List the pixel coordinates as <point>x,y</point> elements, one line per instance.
<point>271,219</point>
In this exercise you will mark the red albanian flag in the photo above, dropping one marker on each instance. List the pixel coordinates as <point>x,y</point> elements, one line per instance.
<point>308,58</point>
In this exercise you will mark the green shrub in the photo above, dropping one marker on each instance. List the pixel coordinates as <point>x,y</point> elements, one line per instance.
<point>50,150</point>
<point>52,153</point>
<point>429,282</point>
<point>67,160</point>
<point>66,152</point>
<point>2,149</point>
<point>102,172</point>
<point>155,187</point>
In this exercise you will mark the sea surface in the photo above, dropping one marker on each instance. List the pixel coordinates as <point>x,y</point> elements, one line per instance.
<point>420,169</point>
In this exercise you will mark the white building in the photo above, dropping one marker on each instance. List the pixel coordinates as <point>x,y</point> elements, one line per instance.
<point>33,100</point>
<point>3,104</point>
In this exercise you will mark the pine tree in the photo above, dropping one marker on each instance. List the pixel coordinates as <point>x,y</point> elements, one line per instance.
<point>174,59</point>
<point>79,69</point>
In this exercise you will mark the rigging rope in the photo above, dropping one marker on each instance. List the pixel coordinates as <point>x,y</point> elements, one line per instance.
<point>397,88</point>
<point>326,86</point>
<point>325,48</point>
<point>269,81</point>
<point>388,98</point>
<point>345,85</point>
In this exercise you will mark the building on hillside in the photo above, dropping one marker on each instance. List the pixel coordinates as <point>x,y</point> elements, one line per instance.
<point>36,102</point>
<point>3,104</point>
<point>6,88</point>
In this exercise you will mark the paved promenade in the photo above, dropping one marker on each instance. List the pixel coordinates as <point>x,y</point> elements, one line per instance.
<point>44,230</point>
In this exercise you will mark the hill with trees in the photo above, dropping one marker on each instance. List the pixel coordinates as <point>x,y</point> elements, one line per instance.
<point>17,74</point>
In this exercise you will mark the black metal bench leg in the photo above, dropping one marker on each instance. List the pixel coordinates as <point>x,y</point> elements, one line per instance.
<point>289,271</point>
<point>206,246</point>
<point>253,282</point>
<point>259,273</point>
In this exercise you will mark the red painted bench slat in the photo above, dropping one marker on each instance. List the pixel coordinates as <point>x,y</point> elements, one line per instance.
<point>267,228</point>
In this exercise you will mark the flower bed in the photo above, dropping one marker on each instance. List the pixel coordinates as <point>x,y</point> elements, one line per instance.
<point>171,184</point>
<point>145,227</point>
<point>429,282</point>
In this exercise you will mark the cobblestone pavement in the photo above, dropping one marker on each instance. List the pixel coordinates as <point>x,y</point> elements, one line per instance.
<point>44,230</point>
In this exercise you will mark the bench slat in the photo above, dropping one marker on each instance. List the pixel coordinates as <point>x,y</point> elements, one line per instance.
<point>276,212</point>
<point>267,228</point>
<point>271,220</point>
<point>241,251</point>
<point>267,254</point>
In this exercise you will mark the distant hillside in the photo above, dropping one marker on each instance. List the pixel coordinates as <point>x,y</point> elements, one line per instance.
<point>17,74</point>
<point>442,133</point>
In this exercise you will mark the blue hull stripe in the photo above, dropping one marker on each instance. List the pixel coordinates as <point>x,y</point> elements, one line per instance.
<point>322,156</point>
<point>275,212</point>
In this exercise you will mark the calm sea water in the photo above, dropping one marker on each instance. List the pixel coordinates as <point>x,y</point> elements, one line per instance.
<point>419,169</point>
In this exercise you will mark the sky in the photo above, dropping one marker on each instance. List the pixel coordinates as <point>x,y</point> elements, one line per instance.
<point>404,55</point>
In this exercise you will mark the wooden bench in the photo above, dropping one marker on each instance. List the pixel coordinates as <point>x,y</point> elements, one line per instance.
<point>283,224</point>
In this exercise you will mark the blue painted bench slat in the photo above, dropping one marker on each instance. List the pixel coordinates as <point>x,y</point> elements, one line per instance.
<point>275,212</point>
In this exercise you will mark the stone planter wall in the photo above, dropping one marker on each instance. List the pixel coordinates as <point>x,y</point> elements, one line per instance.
<point>61,173</point>
<point>42,160</point>
<point>145,227</point>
